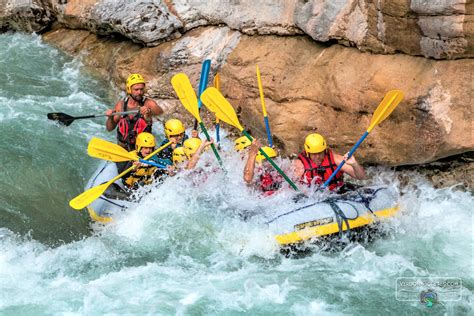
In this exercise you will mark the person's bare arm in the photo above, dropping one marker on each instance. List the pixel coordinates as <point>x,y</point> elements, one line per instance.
<point>195,157</point>
<point>249,169</point>
<point>151,109</point>
<point>351,167</point>
<point>112,120</point>
<point>298,169</point>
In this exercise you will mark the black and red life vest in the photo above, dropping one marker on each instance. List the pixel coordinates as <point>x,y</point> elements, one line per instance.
<point>129,127</point>
<point>268,181</point>
<point>318,174</point>
<point>141,175</point>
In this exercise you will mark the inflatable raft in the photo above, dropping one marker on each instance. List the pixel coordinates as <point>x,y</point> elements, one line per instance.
<point>115,198</point>
<point>309,220</point>
<point>334,216</point>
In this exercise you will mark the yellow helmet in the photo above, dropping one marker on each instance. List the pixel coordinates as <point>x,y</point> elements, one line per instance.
<point>173,127</point>
<point>134,79</point>
<point>191,145</point>
<point>178,155</point>
<point>144,139</point>
<point>241,143</point>
<point>314,143</point>
<point>269,151</point>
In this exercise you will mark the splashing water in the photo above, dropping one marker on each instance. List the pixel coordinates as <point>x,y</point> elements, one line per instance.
<point>185,249</point>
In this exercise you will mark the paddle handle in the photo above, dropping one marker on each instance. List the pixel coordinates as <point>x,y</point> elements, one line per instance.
<point>269,134</point>
<point>206,67</point>
<point>218,136</point>
<point>204,130</point>
<point>151,163</point>
<point>273,163</point>
<point>348,157</point>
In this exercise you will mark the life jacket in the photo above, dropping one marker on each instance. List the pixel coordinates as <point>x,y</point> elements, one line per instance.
<point>129,127</point>
<point>318,174</point>
<point>268,182</point>
<point>142,175</point>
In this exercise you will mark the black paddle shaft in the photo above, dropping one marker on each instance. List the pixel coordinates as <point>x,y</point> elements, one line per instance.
<point>66,119</point>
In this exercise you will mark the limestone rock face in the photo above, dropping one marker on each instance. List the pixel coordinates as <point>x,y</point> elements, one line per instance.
<point>145,22</point>
<point>249,17</point>
<point>435,29</point>
<point>447,27</point>
<point>25,15</point>
<point>308,88</point>
<point>334,91</point>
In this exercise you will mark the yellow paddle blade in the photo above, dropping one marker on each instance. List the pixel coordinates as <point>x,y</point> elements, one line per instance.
<point>385,108</point>
<point>183,88</point>
<point>102,149</point>
<point>216,103</point>
<point>210,104</point>
<point>87,197</point>
<point>260,89</point>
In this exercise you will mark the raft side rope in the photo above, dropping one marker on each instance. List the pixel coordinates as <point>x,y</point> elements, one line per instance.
<point>292,211</point>
<point>340,216</point>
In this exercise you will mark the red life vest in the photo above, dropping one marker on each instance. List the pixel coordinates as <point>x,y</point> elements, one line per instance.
<point>268,182</point>
<point>129,127</point>
<point>318,174</point>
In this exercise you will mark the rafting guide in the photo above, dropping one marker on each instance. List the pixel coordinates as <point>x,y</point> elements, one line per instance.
<point>130,125</point>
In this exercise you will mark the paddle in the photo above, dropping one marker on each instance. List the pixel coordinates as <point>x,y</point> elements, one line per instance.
<point>102,149</point>
<point>217,85</point>
<point>385,108</point>
<point>66,120</point>
<point>264,109</point>
<point>89,196</point>
<point>206,67</point>
<point>187,96</point>
<point>216,102</point>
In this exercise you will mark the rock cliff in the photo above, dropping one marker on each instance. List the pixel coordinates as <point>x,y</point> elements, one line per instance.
<point>325,64</point>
